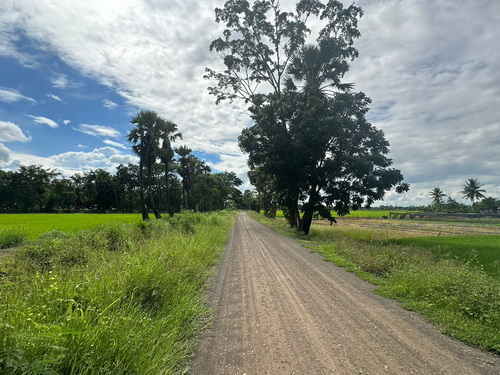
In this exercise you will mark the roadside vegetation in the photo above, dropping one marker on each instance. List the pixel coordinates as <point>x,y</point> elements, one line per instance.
<point>453,280</point>
<point>120,298</point>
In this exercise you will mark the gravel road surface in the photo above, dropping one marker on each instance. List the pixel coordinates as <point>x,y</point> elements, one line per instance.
<point>280,309</point>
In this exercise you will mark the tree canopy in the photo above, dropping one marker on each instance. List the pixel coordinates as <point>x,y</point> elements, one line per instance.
<point>310,138</point>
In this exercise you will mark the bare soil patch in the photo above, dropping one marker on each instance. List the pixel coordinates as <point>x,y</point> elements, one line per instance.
<point>415,227</point>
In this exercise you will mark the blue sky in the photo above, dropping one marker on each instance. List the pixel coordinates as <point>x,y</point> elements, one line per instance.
<point>73,73</point>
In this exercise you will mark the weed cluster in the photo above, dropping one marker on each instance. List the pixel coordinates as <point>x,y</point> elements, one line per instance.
<point>120,298</point>
<point>11,237</point>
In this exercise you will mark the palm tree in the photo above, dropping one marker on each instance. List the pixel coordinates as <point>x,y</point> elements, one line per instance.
<point>318,69</point>
<point>472,190</point>
<point>184,153</point>
<point>437,196</point>
<point>169,133</point>
<point>145,137</point>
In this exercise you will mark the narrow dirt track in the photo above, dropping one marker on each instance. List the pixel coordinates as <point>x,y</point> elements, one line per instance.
<point>279,309</point>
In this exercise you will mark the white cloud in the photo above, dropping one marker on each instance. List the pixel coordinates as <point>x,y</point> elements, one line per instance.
<point>98,130</point>
<point>115,144</point>
<point>123,159</point>
<point>66,122</point>
<point>62,81</point>
<point>4,154</point>
<point>106,158</point>
<point>109,104</point>
<point>82,146</point>
<point>11,96</point>
<point>55,97</point>
<point>10,132</point>
<point>44,121</point>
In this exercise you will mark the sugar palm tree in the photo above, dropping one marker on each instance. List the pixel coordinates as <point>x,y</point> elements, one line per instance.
<point>472,190</point>
<point>437,196</point>
<point>184,153</point>
<point>145,138</point>
<point>168,133</point>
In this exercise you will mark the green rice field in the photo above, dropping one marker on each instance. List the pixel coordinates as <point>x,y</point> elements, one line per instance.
<point>32,225</point>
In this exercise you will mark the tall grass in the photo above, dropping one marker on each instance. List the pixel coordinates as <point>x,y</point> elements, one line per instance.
<point>118,299</point>
<point>10,237</point>
<point>452,291</point>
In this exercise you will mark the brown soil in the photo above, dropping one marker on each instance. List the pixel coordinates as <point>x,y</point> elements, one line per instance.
<point>279,309</point>
<point>418,227</point>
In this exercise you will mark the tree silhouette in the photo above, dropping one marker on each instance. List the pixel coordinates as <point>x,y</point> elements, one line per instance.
<point>145,137</point>
<point>168,133</point>
<point>472,190</point>
<point>437,196</point>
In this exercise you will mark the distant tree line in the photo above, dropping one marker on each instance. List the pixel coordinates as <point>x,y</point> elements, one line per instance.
<point>471,190</point>
<point>33,188</point>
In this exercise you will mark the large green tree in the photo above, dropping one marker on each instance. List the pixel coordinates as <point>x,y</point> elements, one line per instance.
<point>310,134</point>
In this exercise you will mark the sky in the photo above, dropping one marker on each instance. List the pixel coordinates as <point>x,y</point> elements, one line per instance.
<point>73,73</point>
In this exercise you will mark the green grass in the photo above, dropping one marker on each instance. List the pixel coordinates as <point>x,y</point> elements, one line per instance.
<point>437,276</point>
<point>10,237</point>
<point>35,224</point>
<point>115,299</point>
<point>479,250</point>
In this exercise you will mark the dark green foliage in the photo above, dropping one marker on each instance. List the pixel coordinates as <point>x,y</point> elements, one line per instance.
<point>472,190</point>
<point>310,141</point>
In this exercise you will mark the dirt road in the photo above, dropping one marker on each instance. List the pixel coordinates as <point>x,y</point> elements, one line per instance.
<point>280,309</point>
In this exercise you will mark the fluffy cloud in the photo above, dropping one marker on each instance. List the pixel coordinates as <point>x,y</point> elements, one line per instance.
<point>10,132</point>
<point>44,121</point>
<point>107,158</point>
<point>11,96</point>
<point>4,154</point>
<point>98,130</point>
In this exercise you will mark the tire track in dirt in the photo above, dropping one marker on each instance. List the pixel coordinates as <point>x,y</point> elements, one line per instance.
<point>279,309</point>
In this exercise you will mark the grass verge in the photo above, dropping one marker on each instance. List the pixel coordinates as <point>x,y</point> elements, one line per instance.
<point>433,276</point>
<point>117,299</point>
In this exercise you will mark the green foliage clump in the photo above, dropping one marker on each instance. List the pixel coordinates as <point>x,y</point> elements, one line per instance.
<point>11,237</point>
<point>118,299</point>
<point>463,300</point>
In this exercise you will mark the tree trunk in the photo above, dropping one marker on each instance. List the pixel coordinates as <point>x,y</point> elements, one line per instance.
<point>167,192</point>
<point>308,209</point>
<point>307,220</point>
<point>144,209</point>
<point>150,196</point>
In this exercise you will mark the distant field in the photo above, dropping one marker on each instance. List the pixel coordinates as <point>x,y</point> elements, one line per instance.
<point>360,213</point>
<point>472,242</point>
<point>479,250</point>
<point>35,224</point>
